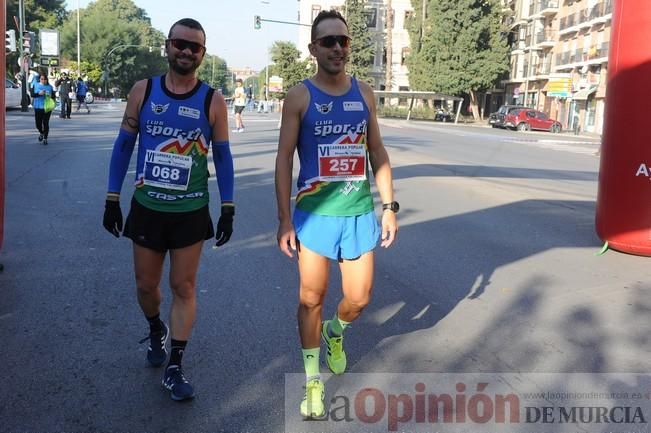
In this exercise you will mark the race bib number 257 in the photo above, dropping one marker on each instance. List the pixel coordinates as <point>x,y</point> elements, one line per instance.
<point>342,162</point>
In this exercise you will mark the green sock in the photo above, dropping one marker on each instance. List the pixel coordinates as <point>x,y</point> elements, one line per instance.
<point>337,326</point>
<point>311,363</point>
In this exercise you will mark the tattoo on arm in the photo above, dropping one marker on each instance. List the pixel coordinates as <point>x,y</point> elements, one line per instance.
<point>129,121</point>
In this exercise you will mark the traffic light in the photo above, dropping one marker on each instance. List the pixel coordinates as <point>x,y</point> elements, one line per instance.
<point>29,42</point>
<point>10,40</point>
<point>257,22</point>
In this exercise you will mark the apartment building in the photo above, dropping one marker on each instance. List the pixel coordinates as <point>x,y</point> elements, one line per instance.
<point>243,73</point>
<point>559,58</point>
<point>386,19</point>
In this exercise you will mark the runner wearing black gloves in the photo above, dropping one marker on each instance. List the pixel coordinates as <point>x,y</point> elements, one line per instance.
<point>177,117</point>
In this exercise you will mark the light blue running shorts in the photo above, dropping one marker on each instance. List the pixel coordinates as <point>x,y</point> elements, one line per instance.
<point>337,237</point>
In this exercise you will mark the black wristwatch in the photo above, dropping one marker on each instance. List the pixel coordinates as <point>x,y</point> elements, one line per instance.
<point>394,206</point>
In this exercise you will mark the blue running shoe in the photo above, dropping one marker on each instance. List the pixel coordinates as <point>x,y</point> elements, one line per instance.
<point>177,383</point>
<point>157,354</point>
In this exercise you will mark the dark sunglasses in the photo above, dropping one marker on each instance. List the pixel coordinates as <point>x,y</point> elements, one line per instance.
<point>330,41</point>
<point>182,44</point>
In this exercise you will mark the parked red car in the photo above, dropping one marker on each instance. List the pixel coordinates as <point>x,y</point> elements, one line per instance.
<point>526,119</point>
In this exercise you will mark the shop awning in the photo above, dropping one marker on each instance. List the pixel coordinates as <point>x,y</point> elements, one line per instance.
<point>583,94</point>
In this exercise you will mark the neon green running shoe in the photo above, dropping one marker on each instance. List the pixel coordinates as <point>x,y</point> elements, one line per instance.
<point>335,357</point>
<point>312,405</point>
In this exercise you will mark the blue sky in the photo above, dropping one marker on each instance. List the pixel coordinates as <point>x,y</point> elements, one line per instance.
<point>228,24</point>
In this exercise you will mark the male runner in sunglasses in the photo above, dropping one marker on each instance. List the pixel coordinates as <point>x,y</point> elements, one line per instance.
<point>331,120</point>
<point>177,118</point>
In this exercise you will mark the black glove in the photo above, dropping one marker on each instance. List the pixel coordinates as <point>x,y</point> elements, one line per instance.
<point>113,217</point>
<point>224,228</point>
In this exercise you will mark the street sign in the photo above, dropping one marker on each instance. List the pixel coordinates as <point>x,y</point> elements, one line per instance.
<point>49,42</point>
<point>275,83</point>
<point>559,85</point>
<point>49,61</point>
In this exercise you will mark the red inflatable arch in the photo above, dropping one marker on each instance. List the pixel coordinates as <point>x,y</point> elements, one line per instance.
<point>623,217</point>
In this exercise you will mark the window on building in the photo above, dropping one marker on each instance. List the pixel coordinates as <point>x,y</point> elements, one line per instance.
<point>371,17</point>
<point>315,11</point>
<point>384,56</point>
<point>405,53</point>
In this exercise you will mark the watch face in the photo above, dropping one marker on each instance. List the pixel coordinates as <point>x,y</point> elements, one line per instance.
<point>394,206</point>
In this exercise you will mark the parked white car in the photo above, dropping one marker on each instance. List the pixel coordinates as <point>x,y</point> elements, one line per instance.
<point>13,94</point>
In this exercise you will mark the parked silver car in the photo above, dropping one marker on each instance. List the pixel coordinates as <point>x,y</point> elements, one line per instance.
<point>13,94</point>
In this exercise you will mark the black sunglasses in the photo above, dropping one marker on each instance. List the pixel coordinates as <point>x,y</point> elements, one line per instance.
<point>330,41</point>
<point>182,44</point>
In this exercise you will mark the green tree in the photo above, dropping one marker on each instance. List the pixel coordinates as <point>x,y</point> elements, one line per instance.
<point>39,14</point>
<point>214,71</point>
<point>117,35</point>
<point>362,48</point>
<point>90,71</point>
<point>461,49</point>
<point>288,66</point>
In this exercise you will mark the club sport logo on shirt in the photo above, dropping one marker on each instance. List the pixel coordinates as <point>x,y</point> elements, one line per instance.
<point>323,108</point>
<point>159,108</point>
<point>353,106</point>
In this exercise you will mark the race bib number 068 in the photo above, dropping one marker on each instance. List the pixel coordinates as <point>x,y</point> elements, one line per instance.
<point>167,170</point>
<point>342,162</point>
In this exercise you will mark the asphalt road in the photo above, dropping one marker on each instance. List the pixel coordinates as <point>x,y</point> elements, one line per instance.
<point>494,270</point>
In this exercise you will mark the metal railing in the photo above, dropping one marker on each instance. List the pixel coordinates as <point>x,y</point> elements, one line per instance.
<point>582,55</point>
<point>541,5</point>
<point>545,36</point>
<point>586,15</point>
<point>544,68</point>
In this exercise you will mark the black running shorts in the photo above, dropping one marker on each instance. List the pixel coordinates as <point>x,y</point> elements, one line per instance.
<point>162,231</point>
<point>239,109</point>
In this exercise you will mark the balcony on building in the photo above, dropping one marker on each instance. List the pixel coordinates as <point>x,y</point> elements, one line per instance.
<point>583,19</point>
<point>602,12</point>
<point>543,69</point>
<point>511,22</point>
<point>545,39</point>
<point>569,24</point>
<point>563,61</point>
<point>578,56</point>
<point>586,18</point>
<point>597,54</point>
<point>543,8</point>
<point>518,46</point>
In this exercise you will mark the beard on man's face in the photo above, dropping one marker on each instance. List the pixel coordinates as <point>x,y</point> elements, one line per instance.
<point>183,69</point>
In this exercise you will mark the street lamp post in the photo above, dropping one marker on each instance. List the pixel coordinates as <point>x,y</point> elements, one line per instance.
<point>78,43</point>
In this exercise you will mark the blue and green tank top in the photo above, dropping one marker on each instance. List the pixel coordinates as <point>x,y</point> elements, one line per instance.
<point>175,133</point>
<point>332,149</point>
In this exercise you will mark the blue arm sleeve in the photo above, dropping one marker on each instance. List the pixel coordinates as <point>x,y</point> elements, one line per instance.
<point>221,155</point>
<point>122,151</point>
